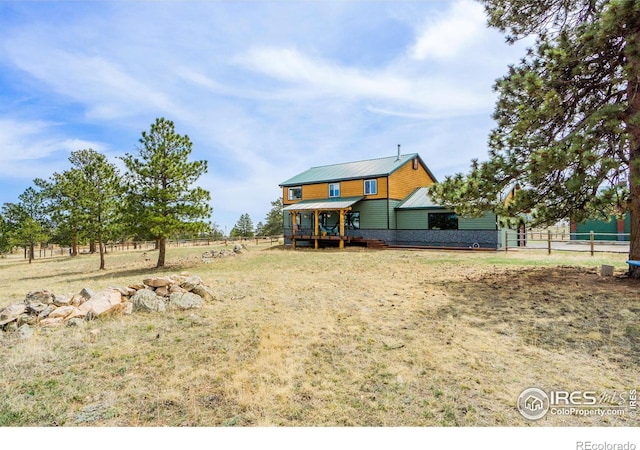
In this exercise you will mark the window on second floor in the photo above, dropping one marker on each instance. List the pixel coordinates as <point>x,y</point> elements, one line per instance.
<point>334,189</point>
<point>370,187</point>
<point>295,193</point>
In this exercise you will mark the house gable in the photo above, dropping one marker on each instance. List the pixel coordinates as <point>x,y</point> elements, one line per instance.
<point>393,177</point>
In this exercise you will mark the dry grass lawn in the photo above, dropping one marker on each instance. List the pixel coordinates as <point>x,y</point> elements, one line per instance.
<point>327,338</point>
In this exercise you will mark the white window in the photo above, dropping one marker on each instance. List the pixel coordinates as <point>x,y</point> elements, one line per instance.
<point>370,187</point>
<point>295,193</point>
<point>334,189</point>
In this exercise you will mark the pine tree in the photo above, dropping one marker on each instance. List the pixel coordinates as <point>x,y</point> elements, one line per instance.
<point>27,222</point>
<point>243,227</point>
<point>568,117</point>
<point>161,199</point>
<point>274,220</point>
<point>85,199</point>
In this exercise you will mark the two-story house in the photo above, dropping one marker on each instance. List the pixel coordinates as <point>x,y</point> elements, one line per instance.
<point>376,201</point>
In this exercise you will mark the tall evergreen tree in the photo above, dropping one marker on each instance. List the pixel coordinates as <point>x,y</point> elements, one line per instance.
<point>160,193</point>
<point>243,227</point>
<point>85,199</point>
<point>274,220</point>
<point>27,222</point>
<point>568,117</point>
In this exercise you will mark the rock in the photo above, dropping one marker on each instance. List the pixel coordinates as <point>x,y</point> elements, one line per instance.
<point>51,322</point>
<point>185,300</point>
<point>191,282</point>
<point>102,303</point>
<point>204,291</point>
<point>162,291</point>
<point>45,312</point>
<point>36,308</point>
<point>43,296</point>
<point>11,327</point>
<point>62,311</point>
<point>136,286</point>
<point>147,301</point>
<point>237,248</point>
<point>26,319</point>
<point>125,292</point>
<point>128,308</point>
<point>11,313</point>
<point>75,322</point>
<point>76,313</point>
<point>78,300</point>
<point>86,293</point>
<point>175,289</point>
<point>62,300</point>
<point>157,282</point>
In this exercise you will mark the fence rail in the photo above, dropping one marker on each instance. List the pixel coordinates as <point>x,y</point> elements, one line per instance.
<point>54,250</point>
<point>560,240</point>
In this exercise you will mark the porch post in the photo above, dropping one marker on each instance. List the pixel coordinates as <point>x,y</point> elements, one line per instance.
<point>295,229</point>
<point>341,228</point>
<point>316,228</point>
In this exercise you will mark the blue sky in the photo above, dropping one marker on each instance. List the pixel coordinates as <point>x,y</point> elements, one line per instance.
<point>264,89</point>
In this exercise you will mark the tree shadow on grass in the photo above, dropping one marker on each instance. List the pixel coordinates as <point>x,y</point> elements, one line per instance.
<point>558,308</point>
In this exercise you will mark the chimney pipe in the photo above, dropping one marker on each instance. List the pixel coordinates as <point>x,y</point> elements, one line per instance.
<point>398,158</point>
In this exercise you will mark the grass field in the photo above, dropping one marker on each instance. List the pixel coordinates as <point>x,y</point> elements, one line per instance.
<point>328,338</point>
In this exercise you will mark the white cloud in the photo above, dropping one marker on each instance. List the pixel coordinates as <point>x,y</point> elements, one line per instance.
<point>446,35</point>
<point>31,140</point>
<point>314,77</point>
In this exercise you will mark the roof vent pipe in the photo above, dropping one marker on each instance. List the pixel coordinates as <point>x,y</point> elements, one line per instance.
<point>398,158</point>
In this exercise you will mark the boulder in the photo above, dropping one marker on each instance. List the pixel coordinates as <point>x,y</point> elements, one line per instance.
<point>237,248</point>
<point>51,322</point>
<point>62,299</point>
<point>191,282</point>
<point>78,300</point>
<point>45,312</point>
<point>204,291</point>
<point>75,322</point>
<point>102,302</point>
<point>75,314</point>
<point>136,286</point>
<point>175,289</point>
<point>62,311</point>
<point>86,293</point>
<point>162,291</point>
<point>11,313</point>
<point>43,296</point>
<point>186,300</point>
<point>157,282</point>
<point>35,308</point>
<point>125,292</point>
<point>26,319</point>
<point>147,301</point>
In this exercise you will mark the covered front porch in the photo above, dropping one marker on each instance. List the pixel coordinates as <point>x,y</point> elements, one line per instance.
<point>318,221</point>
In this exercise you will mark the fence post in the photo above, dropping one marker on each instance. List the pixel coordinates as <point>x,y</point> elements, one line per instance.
<point>548,242</point>
<point>591,241</point>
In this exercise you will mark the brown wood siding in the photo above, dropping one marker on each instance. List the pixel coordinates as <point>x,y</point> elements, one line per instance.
<point>405,180</point>
<point>313,191</point>
<point>350,188</point>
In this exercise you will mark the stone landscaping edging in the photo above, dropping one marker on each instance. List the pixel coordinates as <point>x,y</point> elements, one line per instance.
<point>43,308</point>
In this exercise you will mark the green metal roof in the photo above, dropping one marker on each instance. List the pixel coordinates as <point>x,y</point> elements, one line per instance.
<point>353,170</point>
<point>418,199</point>
<point>328,204</point>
